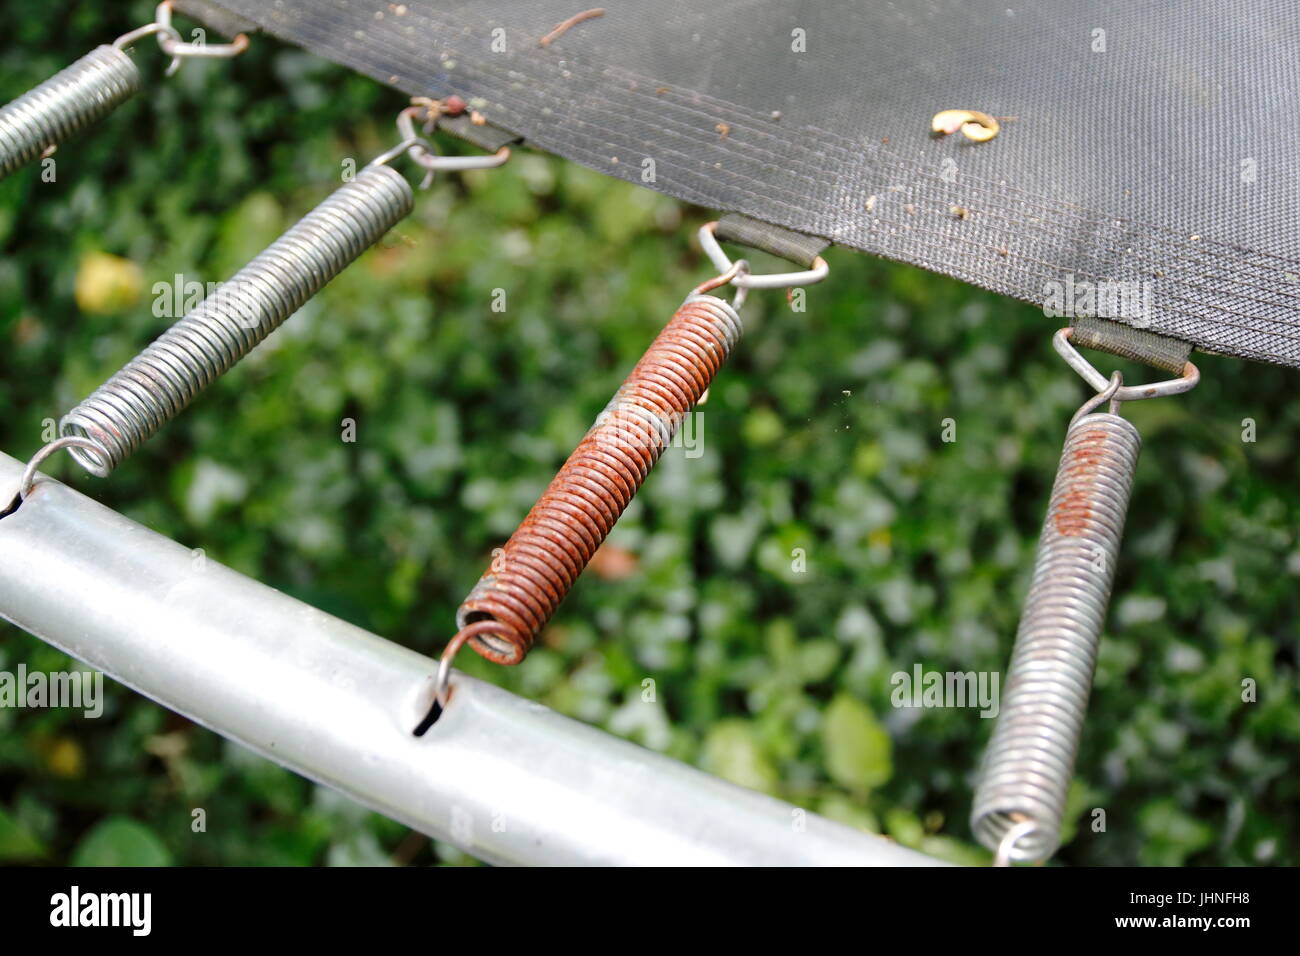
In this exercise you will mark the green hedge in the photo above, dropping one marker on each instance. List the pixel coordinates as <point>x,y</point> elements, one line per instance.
<point>822,439</point>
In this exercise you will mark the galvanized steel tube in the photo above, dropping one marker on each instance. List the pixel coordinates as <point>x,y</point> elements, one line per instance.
<point>503,778</point>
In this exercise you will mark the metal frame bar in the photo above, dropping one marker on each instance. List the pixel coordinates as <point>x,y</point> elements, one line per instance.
<point>503,778</point>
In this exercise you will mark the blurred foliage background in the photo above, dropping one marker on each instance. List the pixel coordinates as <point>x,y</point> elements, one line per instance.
<point>822,434</point>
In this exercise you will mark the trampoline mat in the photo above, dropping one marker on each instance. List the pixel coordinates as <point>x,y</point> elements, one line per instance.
<point>1145,170</point>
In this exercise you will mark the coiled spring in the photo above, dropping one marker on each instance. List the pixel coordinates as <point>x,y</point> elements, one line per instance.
<point>159,382</point>
<point>1030,760</point>
<point>67,102</point>
<point>538,565</point>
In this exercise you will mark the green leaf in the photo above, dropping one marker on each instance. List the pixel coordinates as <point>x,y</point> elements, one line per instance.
<point>17,844</point>
<point>817,660</point>
<point>904,826</point>
<point>732,752</point>
<point>840,808</point>
<point>358,849</point>
<point>1172,835</point>
<point>955,851</point>
<point>858,748</point>
<point>119,841</point>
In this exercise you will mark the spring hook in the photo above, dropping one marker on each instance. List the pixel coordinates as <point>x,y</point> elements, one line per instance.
<point>421,151</point>
<point>1029,763</point>
<point>158,383</point>
<point>170,42</point>
<point>779,280</point>
<point>85,92</point>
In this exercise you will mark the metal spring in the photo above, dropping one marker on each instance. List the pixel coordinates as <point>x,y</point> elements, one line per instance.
<point>1030,760</point>
<point>154,386</point>
<point>71,100</point>
<point>532,574</point>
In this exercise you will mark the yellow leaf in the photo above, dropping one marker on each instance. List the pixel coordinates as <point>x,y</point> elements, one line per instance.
<point>107,283</point>
<point>64,758</point>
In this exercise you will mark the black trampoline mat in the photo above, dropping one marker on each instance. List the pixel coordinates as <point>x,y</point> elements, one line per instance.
<point>1148,150</point>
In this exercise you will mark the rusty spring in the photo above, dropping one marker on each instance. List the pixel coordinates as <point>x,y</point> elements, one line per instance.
<point>531,575</point>
<point>159,382</point>
<point>1030,760</point>
<point>67,102</point>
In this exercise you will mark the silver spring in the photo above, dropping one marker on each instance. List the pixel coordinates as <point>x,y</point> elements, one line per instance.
<point>1030,760</point>
<point>67,102</point>
<point>154,386</point>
